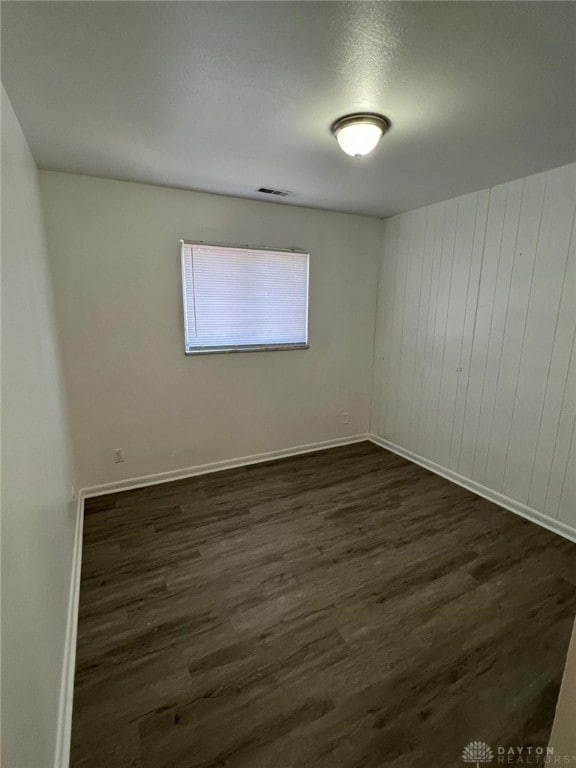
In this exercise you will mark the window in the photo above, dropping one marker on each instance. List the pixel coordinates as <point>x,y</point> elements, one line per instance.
<point>240,299</point>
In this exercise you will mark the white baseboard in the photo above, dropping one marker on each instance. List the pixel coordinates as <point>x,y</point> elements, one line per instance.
<point>63,736</point>
<point>217,466</point>
<point>556,526</point>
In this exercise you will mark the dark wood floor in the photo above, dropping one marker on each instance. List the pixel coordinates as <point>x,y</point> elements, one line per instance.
<point>343,609</point>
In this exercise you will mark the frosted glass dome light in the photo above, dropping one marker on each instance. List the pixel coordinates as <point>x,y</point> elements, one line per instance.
<point>358,134</point>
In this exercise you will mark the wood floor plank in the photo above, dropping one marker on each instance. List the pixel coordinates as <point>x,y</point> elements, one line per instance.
<point>341,609</point>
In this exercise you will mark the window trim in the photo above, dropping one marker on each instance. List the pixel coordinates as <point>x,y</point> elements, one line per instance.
<point>191,351</point>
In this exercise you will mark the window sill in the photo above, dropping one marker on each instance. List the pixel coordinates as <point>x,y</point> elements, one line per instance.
<point>259,348</point>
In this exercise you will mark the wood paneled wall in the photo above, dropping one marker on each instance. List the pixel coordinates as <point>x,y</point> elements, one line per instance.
<point>475,365</point>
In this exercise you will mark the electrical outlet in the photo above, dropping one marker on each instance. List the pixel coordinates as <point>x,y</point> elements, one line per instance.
<point>345,417</point>
<point>118,455</point>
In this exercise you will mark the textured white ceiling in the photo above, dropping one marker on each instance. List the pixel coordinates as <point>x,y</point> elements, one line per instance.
<point>228,97</point>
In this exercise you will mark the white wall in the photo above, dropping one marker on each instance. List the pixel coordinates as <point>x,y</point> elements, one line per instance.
<point>37,516</point>
<point>115,251</point>
<point>475,364</point>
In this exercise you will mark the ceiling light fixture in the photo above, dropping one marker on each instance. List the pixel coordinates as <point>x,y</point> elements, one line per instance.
<point>358,134</point>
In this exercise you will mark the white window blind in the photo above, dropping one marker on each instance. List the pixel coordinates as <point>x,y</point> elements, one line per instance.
<point>243,299</point>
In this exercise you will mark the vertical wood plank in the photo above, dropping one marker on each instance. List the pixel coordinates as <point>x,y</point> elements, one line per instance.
<point>382,316</point>
<point>439,333</point>
<point>412,300</point>
<point>388,278</point>
<point>481,217</point>
<point>493,236</point>
<point>434,252</point>
<point>393,373</point>
<point>421,334</point>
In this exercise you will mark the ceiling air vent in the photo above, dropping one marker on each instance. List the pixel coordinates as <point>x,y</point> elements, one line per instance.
<point>275,192</point>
